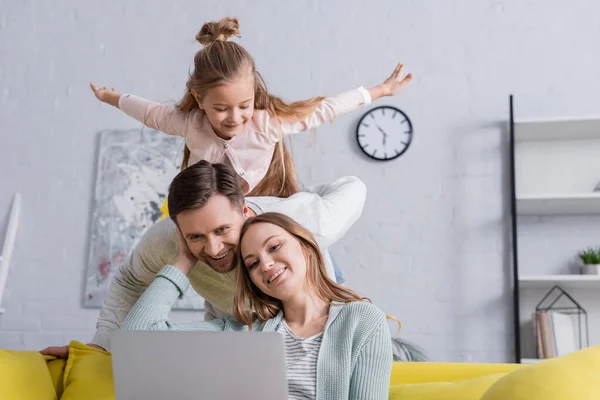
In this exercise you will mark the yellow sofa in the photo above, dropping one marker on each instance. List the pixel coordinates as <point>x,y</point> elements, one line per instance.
<point>87,374</point>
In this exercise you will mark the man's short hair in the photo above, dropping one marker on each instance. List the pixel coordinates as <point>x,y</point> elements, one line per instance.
<point>196,184</point>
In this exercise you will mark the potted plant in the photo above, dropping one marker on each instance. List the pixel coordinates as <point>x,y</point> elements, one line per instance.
<point>591,261</point>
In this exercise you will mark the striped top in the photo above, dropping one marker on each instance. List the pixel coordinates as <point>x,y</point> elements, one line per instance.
<point>301,359</point>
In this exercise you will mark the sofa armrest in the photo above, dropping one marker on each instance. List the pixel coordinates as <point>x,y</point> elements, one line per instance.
<point>422,372</point>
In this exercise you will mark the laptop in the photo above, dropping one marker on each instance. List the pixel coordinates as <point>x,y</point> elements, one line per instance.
<point>198,365</point>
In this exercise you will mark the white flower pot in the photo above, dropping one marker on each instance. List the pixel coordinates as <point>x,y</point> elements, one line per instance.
<point>590,269</point>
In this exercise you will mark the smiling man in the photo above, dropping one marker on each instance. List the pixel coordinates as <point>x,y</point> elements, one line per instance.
<point>207,204</point>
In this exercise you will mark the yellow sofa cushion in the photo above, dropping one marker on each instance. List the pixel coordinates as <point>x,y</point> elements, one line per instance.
<point>574,376</point>
<point>24,375</point>
<point>471,389</point>
<point>56,367</point>
<point>88,374</point>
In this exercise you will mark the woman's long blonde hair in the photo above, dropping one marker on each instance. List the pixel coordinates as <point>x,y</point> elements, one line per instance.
<point>221,61</point>
<point>250,303</point>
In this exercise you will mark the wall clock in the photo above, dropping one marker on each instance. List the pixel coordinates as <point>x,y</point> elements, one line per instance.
<point>384,133</point>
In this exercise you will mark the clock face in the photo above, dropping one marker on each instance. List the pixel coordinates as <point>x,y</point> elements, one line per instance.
<point>384,133</point>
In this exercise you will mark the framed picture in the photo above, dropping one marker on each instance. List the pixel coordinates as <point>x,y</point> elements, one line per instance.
<point>134,171</point>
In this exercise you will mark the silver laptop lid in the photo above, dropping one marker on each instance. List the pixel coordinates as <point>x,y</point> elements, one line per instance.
<point>198,365</point>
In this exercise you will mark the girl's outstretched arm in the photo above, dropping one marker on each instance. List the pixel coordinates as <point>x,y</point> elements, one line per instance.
<point>331,107</point>
<point>157,116</point>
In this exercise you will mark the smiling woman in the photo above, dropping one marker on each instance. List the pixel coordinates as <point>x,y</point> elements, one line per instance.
<point>283,287</point>
<point>282,265</point>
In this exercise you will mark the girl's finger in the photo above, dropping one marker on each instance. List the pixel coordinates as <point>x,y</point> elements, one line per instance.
<point>400,70</point>
<point>406,79</point>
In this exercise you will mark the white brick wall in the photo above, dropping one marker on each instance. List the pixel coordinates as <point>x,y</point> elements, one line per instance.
<point>431,246</point>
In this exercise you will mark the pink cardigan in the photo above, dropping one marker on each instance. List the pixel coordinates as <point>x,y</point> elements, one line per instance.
<point>249,153</point>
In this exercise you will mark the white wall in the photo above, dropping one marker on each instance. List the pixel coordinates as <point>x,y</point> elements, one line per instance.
<point>431,245</point>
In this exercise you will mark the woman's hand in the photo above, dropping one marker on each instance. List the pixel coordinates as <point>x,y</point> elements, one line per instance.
<point>392,85</point>
<point>185,260</point>
<point>106,96</point>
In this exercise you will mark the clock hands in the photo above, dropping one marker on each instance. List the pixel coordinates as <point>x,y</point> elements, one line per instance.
<point>382,131</point>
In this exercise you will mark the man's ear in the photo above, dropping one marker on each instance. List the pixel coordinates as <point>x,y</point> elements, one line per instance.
<point>246,211</point>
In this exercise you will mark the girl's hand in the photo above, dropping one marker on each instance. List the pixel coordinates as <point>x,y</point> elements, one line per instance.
<point>395,82</point>
<point>107,96</point>
<point>391,85</point>
<point>185,260</point>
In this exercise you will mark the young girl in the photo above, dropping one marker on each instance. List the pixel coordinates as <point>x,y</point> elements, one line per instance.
<point>227,115</point>
<point>337,345</point>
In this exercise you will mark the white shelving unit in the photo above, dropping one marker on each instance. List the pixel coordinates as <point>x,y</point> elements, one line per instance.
<point>564,281</point>
<point>557,204</point>
<point>561,128</point>
<point>555,167</point>
<point>558,166</point>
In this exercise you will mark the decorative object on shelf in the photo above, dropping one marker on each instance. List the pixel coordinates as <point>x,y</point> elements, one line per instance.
<point>591,261</point>
<point>597,187</point>
<point>559,324</point>
<point>384,133</point>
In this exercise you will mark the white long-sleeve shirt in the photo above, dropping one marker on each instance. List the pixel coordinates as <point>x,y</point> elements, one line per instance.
<point>328,211</point>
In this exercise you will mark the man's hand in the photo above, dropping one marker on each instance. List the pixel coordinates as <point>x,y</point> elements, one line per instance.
<point>185,260</point>
<point>58,351</point>
<point>63,351</point>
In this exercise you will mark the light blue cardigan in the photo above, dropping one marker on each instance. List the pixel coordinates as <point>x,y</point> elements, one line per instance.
<point>355,359</point>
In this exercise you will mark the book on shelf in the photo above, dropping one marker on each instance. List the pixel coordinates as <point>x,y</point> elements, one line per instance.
<point>555,333</point>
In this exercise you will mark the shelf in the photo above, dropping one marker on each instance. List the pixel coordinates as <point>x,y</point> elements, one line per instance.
<point>564,281</point>
<point>584,203</point>
<point>564,128</point>
<point>530,360</point>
